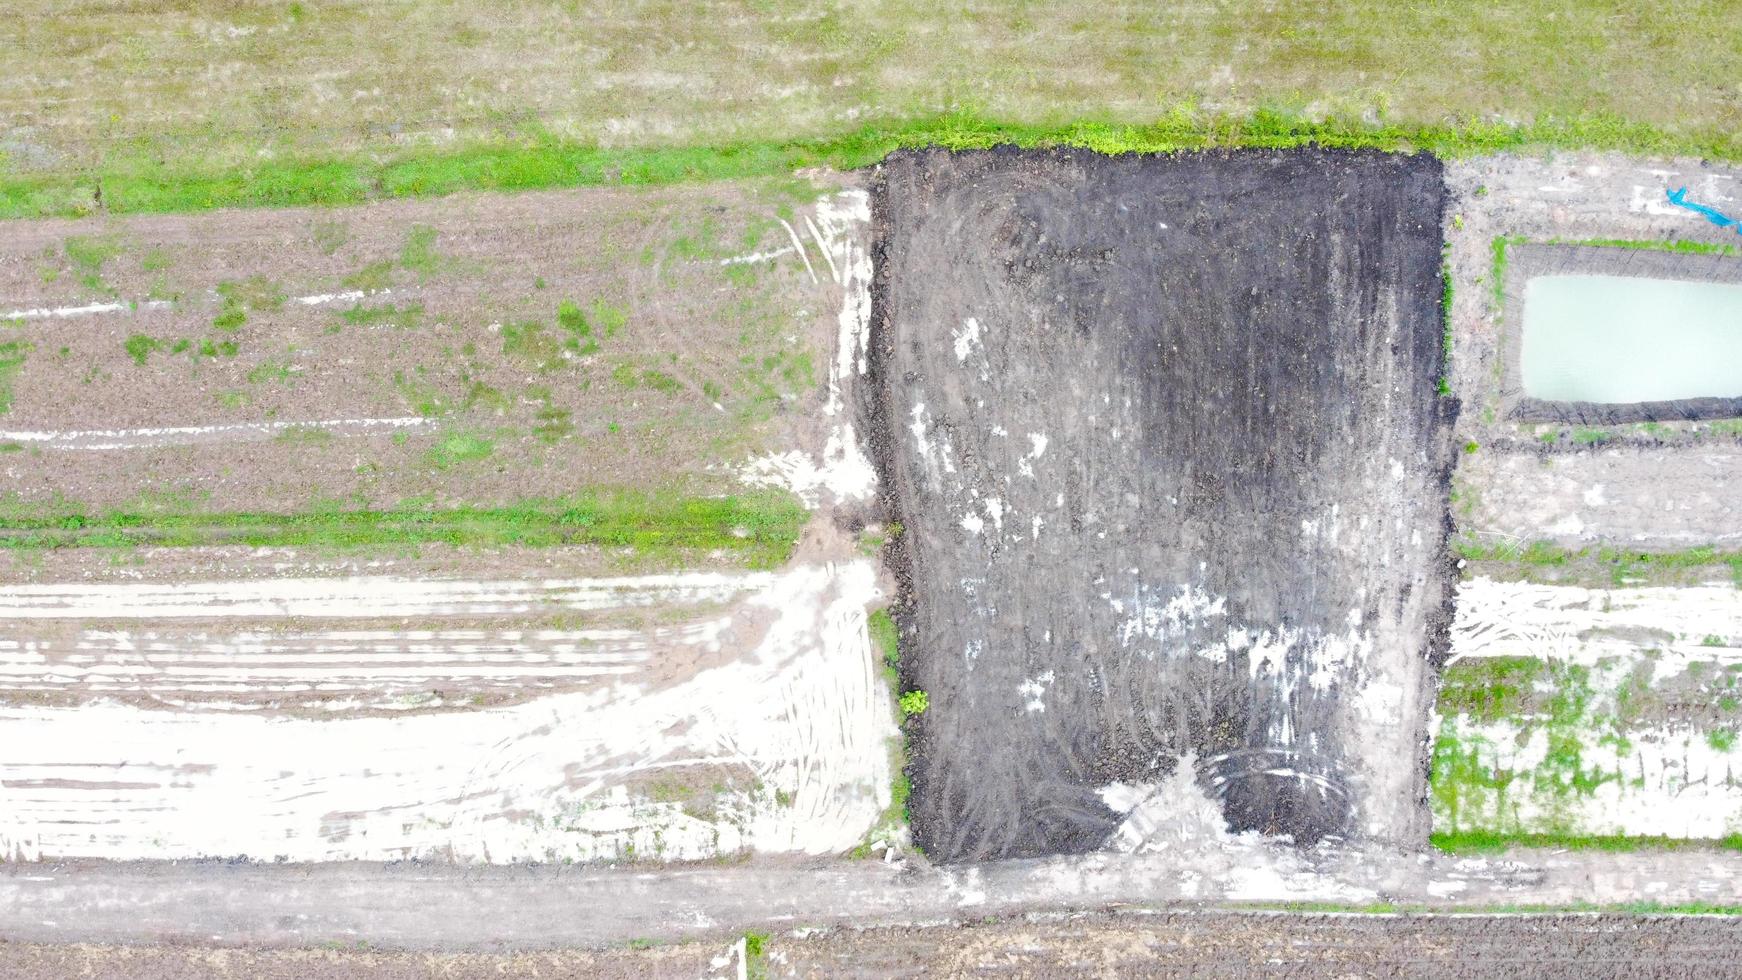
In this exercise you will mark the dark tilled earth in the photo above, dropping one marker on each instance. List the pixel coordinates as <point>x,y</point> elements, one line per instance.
<point>1164,438</point>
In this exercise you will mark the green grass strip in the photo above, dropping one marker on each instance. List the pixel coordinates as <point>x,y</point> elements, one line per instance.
<point>1491,842</point>
<point>134,180</point>
<point>759,529</point>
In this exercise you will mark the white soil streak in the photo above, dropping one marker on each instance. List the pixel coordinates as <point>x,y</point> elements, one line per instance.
<point>1579,625</point>
<point>1676,776</point>
<point>802,715</point>
<point>843,471</point>
<point>370,663</point>
<point>56,312</point>
<point>187,435</point>
<point>364,596</point>
<point>840,226</point>
<point>134,306</point>
<point>799,247</point>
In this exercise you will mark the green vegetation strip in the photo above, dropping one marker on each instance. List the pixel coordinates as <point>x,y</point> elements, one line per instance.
<point>134,180</point>
<point>1488,842</point>
<point>759,529</point>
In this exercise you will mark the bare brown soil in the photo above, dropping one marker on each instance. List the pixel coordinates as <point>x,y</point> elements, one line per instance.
<point>666,368</point>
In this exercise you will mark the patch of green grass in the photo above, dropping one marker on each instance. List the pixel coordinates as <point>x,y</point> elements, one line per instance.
<point>1497,273</point>
<point>661,382</point>
<point>408,317</point>
<point>1622,566</point>
<point>1487,688</point>
<point>372,278</point>
<point>275,371</point>
<point>1591,437</point>
<point>253,293</point>
<point>418,254</point>
<point>552,424</point>
<point>756,955</point>
<point>1721,739</point>
<point>241,298</point>
<point>1540,553</point>
<point>629,376</point>
<point>456,448</point>
<point>138,182</point>
<point>587,328</point>
<point>529,343</point>
<point>13,354</point>
<point>88,255</point>
<point>885,642</point>
<point>139,347</point>
<point>1684,247</point>
<point>155,260</point>
<point>759,529</point>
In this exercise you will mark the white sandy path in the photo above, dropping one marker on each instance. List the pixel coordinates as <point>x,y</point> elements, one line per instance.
<point>376,665</point>
<point>539,781</point>
<point>374,596</point>
<point>189,435</point>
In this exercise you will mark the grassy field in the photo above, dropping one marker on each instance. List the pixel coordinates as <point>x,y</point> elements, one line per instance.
<point>207,103</point>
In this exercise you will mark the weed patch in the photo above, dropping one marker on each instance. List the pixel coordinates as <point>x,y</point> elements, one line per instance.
<point>457,448</point>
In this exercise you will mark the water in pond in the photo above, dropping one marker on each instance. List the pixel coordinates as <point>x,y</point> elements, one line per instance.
<point>1626,339</point>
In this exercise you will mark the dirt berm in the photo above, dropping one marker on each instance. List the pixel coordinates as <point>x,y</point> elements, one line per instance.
<point>1164,438</point>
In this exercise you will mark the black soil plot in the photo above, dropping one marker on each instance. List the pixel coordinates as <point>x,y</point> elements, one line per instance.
<point>1164,437</point>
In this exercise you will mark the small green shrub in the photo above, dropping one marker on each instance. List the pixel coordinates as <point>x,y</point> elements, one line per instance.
<point>914,703</point>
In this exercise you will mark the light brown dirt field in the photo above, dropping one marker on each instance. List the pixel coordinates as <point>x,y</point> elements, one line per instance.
<point>682,369</point>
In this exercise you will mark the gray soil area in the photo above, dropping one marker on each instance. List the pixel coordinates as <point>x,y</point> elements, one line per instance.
<point>1164,439</point>
<point>520,340</point>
